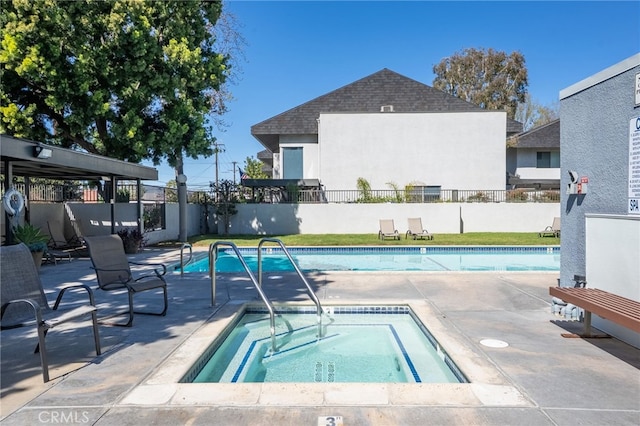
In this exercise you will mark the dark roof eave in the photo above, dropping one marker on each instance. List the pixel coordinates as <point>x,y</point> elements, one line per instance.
<point>67,164</point>
<point>280,183</point>
<point>534,183</point>
<point>544,136</point>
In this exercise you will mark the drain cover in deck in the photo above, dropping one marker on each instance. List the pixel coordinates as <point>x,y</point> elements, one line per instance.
<point>493,343</point>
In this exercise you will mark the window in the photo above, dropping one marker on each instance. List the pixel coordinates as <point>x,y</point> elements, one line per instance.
<point>548,159</point>
<point>424,194</point>
<point>292,163</point>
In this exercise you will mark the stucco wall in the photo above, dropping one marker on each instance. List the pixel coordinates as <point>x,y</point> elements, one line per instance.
<point>599,237</point>
<point>453,150</point>
<point>278,219</point>
<point>594,140</point>
<point>95,219</point>
<point>364,218</point>
<point>527,165</point>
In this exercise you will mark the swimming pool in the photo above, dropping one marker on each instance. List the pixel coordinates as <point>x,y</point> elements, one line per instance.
<point>358,344</point>
<point>468,258</point>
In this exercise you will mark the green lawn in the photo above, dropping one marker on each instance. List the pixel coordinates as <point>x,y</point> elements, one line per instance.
<point>468,239</point>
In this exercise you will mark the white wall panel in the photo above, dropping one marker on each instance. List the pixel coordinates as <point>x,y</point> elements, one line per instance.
<point>453,150</point>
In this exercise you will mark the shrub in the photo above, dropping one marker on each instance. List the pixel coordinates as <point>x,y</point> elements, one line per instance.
<point>31,236</point>
<point>479,196</point>
<point>515,195</point>
<point>549,196</point>
<point>132,239</point>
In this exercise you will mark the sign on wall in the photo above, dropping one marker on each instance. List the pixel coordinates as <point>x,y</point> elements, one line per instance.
<point>634,166</point>
<point>637,89</point>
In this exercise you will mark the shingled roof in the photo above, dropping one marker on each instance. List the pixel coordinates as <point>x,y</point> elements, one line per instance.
<point>544,136</point>
<point>368,94</point>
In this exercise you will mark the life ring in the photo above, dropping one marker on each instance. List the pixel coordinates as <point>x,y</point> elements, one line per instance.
<point>13,202</point>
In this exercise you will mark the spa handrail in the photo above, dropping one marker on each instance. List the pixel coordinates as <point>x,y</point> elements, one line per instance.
<point>182,263</point>
<point>312,295</point>
<point>213,256</point>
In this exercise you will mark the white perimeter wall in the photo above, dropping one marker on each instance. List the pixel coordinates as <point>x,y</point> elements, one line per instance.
<point>95,219</point>
<point>278,219</point>
<point>613,263</point>
<point>453,150</point>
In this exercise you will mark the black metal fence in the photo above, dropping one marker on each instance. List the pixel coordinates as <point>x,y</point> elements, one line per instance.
<point>127,192</point>
<point>315,196</point>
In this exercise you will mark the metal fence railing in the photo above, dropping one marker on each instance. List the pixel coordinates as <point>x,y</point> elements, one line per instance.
<point>82,192</point>
<point>312,196</point>
<point>127,192</point>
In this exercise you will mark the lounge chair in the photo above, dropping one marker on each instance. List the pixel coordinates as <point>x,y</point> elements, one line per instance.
<point>58,241</point>
<point>52,256</point>
<point>551,231</point>
<point>388,230</point>
<point>416,230</point>
<point>114,273</point>
<point>23,302</point>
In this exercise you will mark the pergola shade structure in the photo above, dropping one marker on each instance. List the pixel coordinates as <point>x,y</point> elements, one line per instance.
<point>20,158</point>
<point>30,159</point>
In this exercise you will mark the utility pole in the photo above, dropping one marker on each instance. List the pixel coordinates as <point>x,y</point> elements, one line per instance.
<point>234,172</point>
<point>181,181</point>
<point>216,149</point>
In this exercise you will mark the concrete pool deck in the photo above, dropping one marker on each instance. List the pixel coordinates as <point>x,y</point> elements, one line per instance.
<point>539,379</point>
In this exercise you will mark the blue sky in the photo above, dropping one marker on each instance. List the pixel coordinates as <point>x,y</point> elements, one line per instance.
<point>299,50</point>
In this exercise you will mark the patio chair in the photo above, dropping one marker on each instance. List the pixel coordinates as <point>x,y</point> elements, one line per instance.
<point>551,231</point>
<point>114,273</point>
<point>388,230</point>
<point>52,256</point>
<point>23,302</point>
<point>416,230</point>
<point>58,241</point>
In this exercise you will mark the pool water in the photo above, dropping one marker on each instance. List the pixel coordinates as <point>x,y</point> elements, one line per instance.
<point>358,344</point>
<point>382,259</point>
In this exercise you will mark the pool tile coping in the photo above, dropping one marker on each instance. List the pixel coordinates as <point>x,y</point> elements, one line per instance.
<point>487,387</point>
<point>378,309</point>
<point>401,249</point>
<point>423,250</point>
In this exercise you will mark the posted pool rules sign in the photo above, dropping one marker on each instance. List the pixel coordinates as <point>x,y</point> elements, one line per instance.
<point>634,166</point>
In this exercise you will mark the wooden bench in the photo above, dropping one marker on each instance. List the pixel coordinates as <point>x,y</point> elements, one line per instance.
<point>618,309</point>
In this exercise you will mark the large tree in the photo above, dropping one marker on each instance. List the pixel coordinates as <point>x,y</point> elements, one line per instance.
<point>533,114</point>
<point>488,78</point>
<point>129,79</point>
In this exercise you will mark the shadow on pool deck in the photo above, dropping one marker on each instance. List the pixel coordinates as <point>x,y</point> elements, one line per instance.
<point>561,381</point>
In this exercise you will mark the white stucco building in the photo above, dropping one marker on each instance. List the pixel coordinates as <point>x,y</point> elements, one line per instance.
<point>387,128</point>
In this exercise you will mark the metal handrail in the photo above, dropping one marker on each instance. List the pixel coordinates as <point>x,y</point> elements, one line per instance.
<point>295,266</point>
<point>182,264</point>
<point>213,256</point>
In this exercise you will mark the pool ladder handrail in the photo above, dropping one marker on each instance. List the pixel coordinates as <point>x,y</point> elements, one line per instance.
<point>182,263</point>
<point>213,256</point>
<point>312,295</point>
